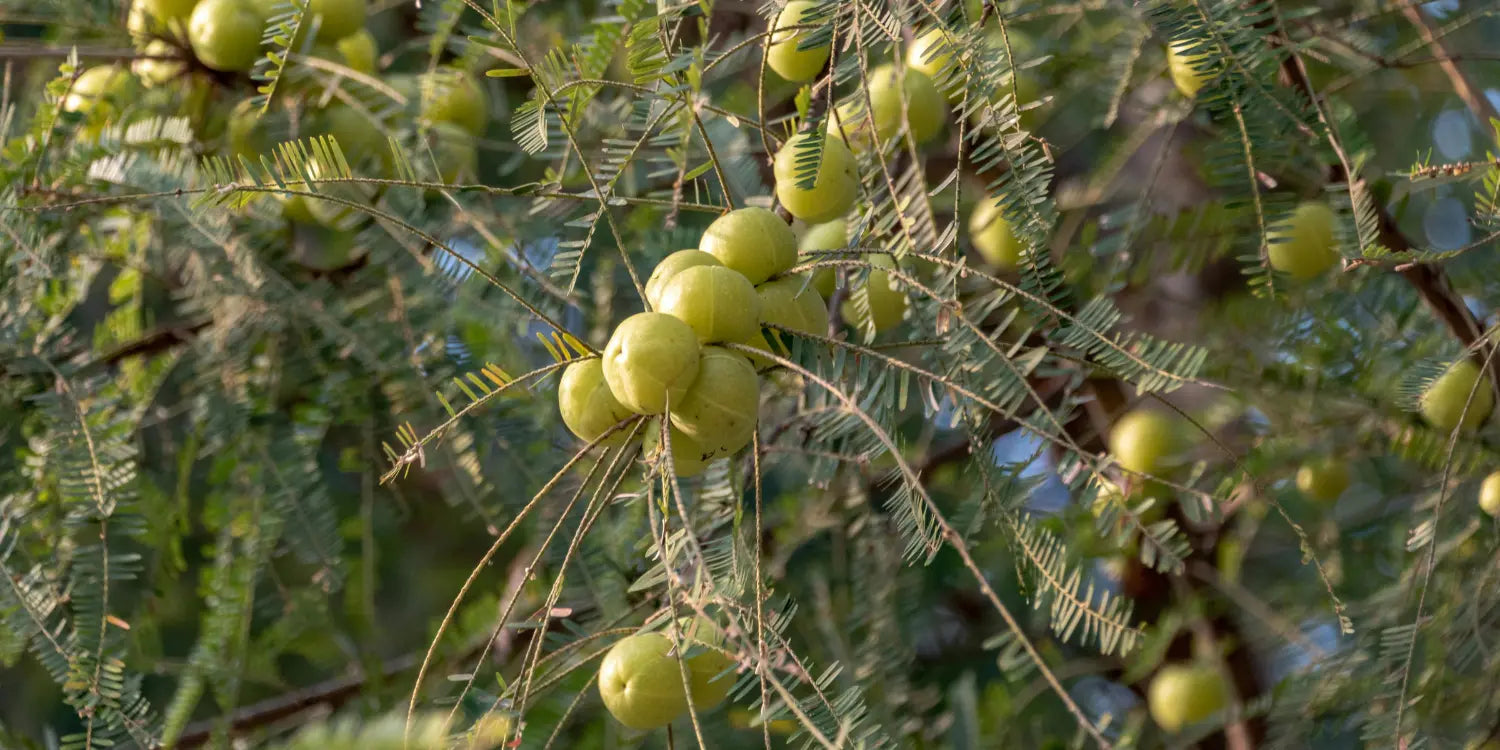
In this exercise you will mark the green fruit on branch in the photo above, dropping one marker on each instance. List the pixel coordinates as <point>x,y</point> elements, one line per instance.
<point>708,674</point>
<point>720,410</point>
<point>719,303</point>
<point>783,56</point>
<point>886,302</point>
<point>103,86</point>
<point>931,52</point>
<point>154,18</point>
<point>359,51</point>
<point>651,357</point>
<point>992,236</point>
<point>588,407</point>
<point>361,139</point>
<point>1303,245</point>
<point>641,683</point>
<point>834,188</point>
<point>452,95</point>
<point>1187,70</point>
<point>688,458</point>
<point>1323,479</point>
<point>926,107</point>
<point>1184,694</point>
<point>753,241</point>
<point>830,235</point>
<point>155,68</point>
<point>672,265</point>
<point>225,34</point>
<point>1444,401</point>
<point>792,303</point>
<point>336,19</point>
<point>1489,494</point>
<point>1146,441</point>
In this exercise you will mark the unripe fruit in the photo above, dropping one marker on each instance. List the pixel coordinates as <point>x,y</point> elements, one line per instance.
<point>225,34</point>
<point>720,410</point>
<point>688,458</point>
<point>100,85</point>
<point>827,236</point>
<point>672,265</point>
<point>753,241</point>
<point>337,18</point>
<point>931,52</point>
<point>834,189</point>
<point>1323,479</point>
<point>1185,69</point>
<point>359,51</point>
<point>1489,494</point>
<point>1183,694</point>
<point>1443,403</point>
<point>1145,441</point>
<point>650,357</point>
<point>783,56</point>
<point>790,303</point>
<point>640,682</point>
<point>154,72</point>
<point>992,236</point>
<point>706,668</point>
<point>360,138</point>
<point>1303,244</point>
<point>454,96</point>
<point>587,405</point>
<point>148,18</point>
<point>925,105</point>
<point>887,302</point>
<point>719,303</point>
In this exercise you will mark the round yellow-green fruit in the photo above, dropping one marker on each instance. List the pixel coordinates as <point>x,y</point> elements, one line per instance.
<point>688,458</point>
<point>148,18</point>
<point>1489,494</point>
<point>1145,441</point>
<point>1185,69</point>
<point>834,188</point>
<point>152,69</point>
<point>225,34</point>
<point>792,303</point>
<point>452,95</point>
<point>102,85</point>
<point>795,65</point>
<point>707,673</point>
<point>753,241</point>
<point>651,357</point>
<point>588,407</point>
<point>1184,694</point>
<point>671,266</point>
<point>1443,403</point>
<point>640,682</point>
<point>719,303</point>
<point>360,138</point>
<point>1323,479</point>
<point>931,52</point>
<point>455,152</point>
<point>832,235</point>
<point>926,107</point>
<point>992,236</point>
<point>720,410</point>
<point>336,19</point>
<point>359,51</point>
<point>886,301</point>
<point>1303,244</point>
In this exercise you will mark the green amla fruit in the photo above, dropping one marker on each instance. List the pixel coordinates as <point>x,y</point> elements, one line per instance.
<point>1183,694</point>
<point>452,95</point>
<point>1443,403</point>
<point>707,669</point>
<point>753,241</point>
<point>651,357</point>
<point>834,188</point>
<point>688,458</point>
<point>783,56</point>
<point>588,407</point>
<point>926,107</point>
<point>886,301</point>
<point>830,235</point>
<point>103,86</point>
<point>1489,494</point>
<point>359,51</point>
<point>992,236</point>
<point>1323,479</point>
<point>1303,245</point>
<point>640,682</point>
<point>672,265</point>
<point>455,152</point>
<point>1145,441</point>
<point>152,69</point>
<point>790,302</point>
<point>718,302</point>
<point>225,34</point>
<point>720,410</point>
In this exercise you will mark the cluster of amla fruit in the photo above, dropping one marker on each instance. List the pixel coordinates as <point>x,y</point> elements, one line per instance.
<point>673,361</point>
<point>641,681</point>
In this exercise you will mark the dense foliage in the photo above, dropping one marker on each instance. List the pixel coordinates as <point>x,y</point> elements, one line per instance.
<point>823,373</point>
